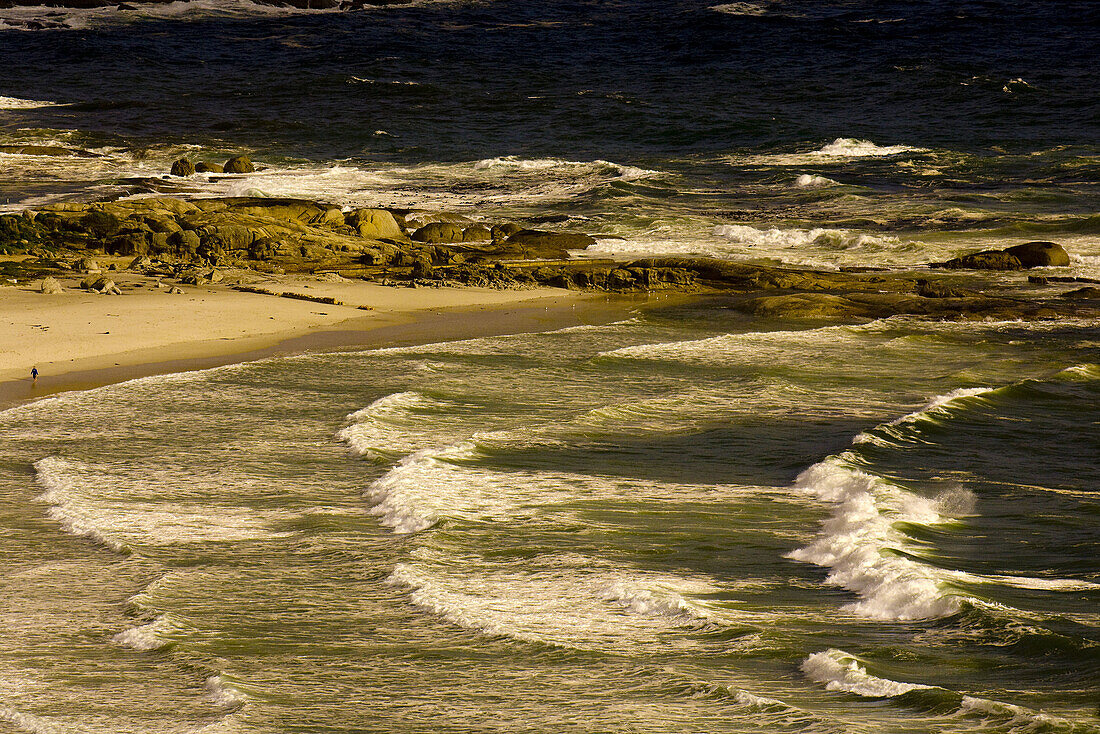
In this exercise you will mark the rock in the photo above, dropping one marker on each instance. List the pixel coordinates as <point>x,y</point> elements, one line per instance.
<point>133,243</point>
<point>100,223</point>
<point>549,245</point>
<point>501,232</point>
<point>240,164</point>
<point>86,265</point>
<point>183,167</point>
<point>214,276</point>
<point>175,290</point>
<point>476,233</point>
<point>438,232</point>
<point>422,268</point>
<point>937,289</point>
<point>1038,279</point>
<point>1039,254</point>
<point>183,243</point>
<point>262,249</point>
<point>1088,292</point>
<point>97,283</point>
<point>985,260</point>
<point>373,224</point>
<point>141,262</point>
<point>202,167</point>
<point>111,290</point>
<point>50,286</point>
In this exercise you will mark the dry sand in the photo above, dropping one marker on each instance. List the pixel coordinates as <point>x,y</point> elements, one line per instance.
<point>78,339</point>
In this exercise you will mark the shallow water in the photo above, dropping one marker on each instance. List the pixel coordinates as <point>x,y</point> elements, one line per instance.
<point>649,525</point>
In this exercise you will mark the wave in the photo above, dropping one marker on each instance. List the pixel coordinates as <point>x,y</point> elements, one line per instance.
<point>938,407</point>
<point>14,103</point>
<point>830,239</point>
<point>152,636</point>
<point>388,428</point>
<point>864,551</point>
<point>810,181</point>
<point>223,692</point>
<point>57,478</point>
<point>853,148</point>
<point>570,601</point>
<point>515,163</point>
<point>840,671</point>
<point>743,8</point>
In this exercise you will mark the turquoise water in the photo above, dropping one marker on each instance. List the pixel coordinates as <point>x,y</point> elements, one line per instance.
<point>685,521</point>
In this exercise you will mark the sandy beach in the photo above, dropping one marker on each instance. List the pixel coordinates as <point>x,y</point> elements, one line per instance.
<point>78,339</point>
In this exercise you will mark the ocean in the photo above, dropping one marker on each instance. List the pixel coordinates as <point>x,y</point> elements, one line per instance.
<point>686,520</point>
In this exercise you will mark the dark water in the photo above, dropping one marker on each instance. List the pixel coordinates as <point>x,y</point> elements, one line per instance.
<point>621,80</point>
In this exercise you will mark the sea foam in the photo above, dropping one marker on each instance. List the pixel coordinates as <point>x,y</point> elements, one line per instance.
<point>840,671</point>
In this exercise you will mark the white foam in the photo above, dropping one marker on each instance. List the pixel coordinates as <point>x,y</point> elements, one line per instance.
<point>222,692</point>
<point>853,148</point>
<point>863,550</point>
<point>31,723</point>
<point>840,671</point>
<point>390,427</point>
<point>515,163</point>
<point>743,8</point>
<point>810,181</point>
<point>14,103</point>
<point>568,601</point>
<point>819,237</point>
<point>1018,718</point>
<point>146,637</point>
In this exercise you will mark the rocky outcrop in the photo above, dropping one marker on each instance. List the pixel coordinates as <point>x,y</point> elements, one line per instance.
<point>203,167</point>
<point>47,150</point>
<point>1018,257</point>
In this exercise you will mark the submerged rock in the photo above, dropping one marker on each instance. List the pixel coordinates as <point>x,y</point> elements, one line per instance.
<point>203,167</point>
<point>985,260</point>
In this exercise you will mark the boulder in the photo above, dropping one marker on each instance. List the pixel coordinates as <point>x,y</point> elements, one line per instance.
<point>175,290</point>
<point>141,262</point>
<point>937,289</point>
<point>985,260</point>
<point>131,243</point>
<point>97,283</point>
<point>549,245</point>
<point>183,167</point>
<point>183,243</point>
<point>99,223</point>
<point>477,233</point>
<point>373,224</point>
<point>1089,292</point>
<point>438,232</point>
<point>50,286</point>
<point>1039,254</point>
<point>86,265</point>
<point>422,268</point>
<point>239,164</point>
<point>501,232</point>
<point>202,167</point>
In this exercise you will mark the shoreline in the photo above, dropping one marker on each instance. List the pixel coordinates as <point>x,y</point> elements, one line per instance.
<point>472,316</point>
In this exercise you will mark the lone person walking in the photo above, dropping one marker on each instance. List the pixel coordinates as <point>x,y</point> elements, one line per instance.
<point>34,374</point>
